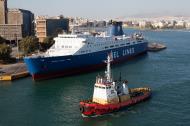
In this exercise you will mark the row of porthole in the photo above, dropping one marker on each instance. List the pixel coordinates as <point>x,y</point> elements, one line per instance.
<point>103,87</point>
<point>66,46</point>
<point>116,45</point>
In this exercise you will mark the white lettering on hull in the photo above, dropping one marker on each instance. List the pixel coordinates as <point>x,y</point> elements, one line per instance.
<point>129,51</point>
<point>115,54</point>
<point>125,52</point>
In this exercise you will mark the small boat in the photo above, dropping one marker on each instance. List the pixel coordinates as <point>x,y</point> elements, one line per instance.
<point>111,96</point>
<point>153,47</point>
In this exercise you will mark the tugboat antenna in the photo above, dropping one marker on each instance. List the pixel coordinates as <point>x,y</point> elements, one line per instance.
<point>120,77</point>
<point>108,72</point>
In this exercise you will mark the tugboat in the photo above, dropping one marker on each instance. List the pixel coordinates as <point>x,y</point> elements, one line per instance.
<point>111,96</point>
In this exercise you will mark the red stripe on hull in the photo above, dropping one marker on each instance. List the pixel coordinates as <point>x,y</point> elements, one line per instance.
<point>76,71</point>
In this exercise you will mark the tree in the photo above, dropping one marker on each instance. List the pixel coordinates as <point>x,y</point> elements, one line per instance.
<point>47,43</point>
<point>2,40</point>
<point>5,52</point>
<point>29,44</point>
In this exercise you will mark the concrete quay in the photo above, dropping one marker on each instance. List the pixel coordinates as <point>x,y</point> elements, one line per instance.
<point>13,71</point>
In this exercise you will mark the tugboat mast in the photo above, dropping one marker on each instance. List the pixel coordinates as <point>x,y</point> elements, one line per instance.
<point>108,72</point>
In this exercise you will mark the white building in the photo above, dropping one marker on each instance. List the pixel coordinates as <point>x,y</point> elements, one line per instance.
<point>188,25</point>
<point>145,24</point>
<point>159,24</point>
<point>180,24</point>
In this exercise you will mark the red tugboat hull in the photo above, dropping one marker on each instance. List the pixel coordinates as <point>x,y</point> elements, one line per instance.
<point>88,108</point>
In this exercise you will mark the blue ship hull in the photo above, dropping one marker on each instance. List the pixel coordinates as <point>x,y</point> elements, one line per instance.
<point>48,67</point>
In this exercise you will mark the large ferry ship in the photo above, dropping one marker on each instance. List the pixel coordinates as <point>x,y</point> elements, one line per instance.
<point>76,53</point>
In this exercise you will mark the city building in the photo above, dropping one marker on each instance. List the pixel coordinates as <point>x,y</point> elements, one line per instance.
<point>11,32</point>
<point>46,26</point>
<point>159,24</point>
<point>24,18</point>
<point>3,11</point>
<point>135,24</point>
<point>15,23</point>
<point>180,24</point>
<point>145,24</point>
<point>128,24</point>
<point>171,24</point>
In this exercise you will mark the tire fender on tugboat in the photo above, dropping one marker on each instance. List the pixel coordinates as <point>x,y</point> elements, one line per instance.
<point>81,109</point>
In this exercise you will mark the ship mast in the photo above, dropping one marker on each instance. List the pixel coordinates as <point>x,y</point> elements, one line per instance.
<point>108,72</point>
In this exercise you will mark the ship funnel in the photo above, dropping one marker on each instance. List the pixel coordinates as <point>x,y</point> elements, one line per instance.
<point>116,28</point>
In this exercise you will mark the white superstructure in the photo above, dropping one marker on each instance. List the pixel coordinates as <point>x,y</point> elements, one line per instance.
<point>85,43</point>
<point>106,91</point>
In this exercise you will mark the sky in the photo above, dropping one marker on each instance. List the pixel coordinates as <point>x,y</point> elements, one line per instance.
<point>102,9</point>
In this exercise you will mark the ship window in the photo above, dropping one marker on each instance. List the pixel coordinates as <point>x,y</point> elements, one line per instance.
<point>98,87</point>
<point>111,46</point>
<point>112,91</point>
